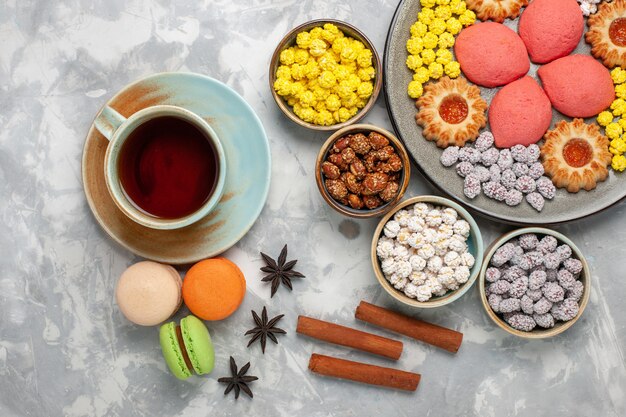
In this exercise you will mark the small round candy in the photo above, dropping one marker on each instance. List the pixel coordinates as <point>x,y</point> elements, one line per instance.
<point>566,310</point>
<point>547,244</point>
<point>553,292</point>
<point>526,304</point>
<point>508,178</point>
<point>536,279</point>
<point>464,168</point>
<point>495,172</point>
<point>565,279</point>
<point>520,169</point>
<point>564,252</point>
<point>513,197</point>
<point>533,152</point>
<point>500,287</point>
<point>482,173</point>
<point>546,188</point>
<point>509,305</point>
<point>521,322</point>
<point>576,292</point>
<point>535,200</point>
<point>573,265</point>
<point>518,287</point>
<point>494,190</point>
<point>494,302</point>
<point>519,153</point>
<point>505,160</point>
<point>528,241</point>
<point>535,170</point>
<point>534,295</point>
<point>484,141</point>
<point>490,157</point>
<point>542,306</point>
<point>471,186</point>
<point>450,156</point>
<point>503,254</point>
<point>544,320</point>
<point>492,274</point>
<point>525,184</point>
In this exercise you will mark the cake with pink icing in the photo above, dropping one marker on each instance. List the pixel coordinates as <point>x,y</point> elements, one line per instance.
<point>491,54</point>
<point>577,85</point>
<point>551,29</point>
<point>520,113</point>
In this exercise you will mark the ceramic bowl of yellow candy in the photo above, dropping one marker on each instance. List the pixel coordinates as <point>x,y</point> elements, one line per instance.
<point>325,74</point>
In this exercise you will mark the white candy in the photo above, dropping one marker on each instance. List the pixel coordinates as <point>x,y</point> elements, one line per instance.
<point>411,290</point>
<point>418,277</point>
<point>433,218</point>
<point>403,269</point>
<point>427,251</point>
<point>388,266</point>
<point>420,209</point>
<point>416,240</point>
<point>457,245</point>
<point>462,228</point>
<point>445,230</point>
<point>416,224</point>
<point>434,284</point>
<point>424,292</point>
<point>430,235</point>
<point>403,236</point>
<point>446,277</point>
<point>384,249</point>
<point>467,259</point>
<point>401,252</point>
<point>461,274</point>
<point>452,259</point>
<point>417,263</point>
<point>449,216</point>
<point>402,217</point>
<point>434,264</point>
<point>441,247</point>
<point>391,229</point>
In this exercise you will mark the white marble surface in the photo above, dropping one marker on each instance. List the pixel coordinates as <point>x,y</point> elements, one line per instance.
<point>65,349</point>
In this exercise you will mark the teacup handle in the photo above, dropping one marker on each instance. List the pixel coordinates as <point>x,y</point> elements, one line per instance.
<point>108,120</point>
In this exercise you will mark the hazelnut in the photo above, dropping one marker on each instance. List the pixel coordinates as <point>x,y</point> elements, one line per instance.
<point>375,183</point>
<point>336,188</point>
<point>351,181</point>
<point>330,170</point>
<point>372,201</point>
<point>337,159</point>
<point>390,191</point>
<point>377,141</point>
<point>341,144</point>
<point>360,144</point>
<point>348,155</point>
<point>358,169</point>
<point>385,153</point>
<point>355,201</point>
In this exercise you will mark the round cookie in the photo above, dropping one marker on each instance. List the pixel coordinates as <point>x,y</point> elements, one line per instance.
<point>551,29</point>
<point>214,288</point>
<point>577,85</point>
<point>520,113</point>
<point>491,54</point>
<point>187,348</point>
<point>149,293</point>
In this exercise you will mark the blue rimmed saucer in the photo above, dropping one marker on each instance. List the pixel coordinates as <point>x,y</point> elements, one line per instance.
<point>247,156</point>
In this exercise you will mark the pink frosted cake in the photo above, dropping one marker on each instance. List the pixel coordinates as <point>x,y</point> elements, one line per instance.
<point>577,85</point>
<point>520,113</point>
<point>491,54</point>
<point>551,29</point>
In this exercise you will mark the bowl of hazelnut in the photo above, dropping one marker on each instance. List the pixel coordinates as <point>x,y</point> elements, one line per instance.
<point>362,171</point>
<point>534,283</point>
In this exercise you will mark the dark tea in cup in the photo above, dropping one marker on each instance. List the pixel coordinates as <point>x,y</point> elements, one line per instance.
<point>168,168</point>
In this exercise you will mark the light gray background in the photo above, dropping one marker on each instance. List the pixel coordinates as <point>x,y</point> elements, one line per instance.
<point>65,349</point>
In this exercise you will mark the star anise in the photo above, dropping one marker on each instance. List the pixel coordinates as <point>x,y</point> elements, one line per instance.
<point>239,380</point>
<point>264,329</point>
<point>280,271</point>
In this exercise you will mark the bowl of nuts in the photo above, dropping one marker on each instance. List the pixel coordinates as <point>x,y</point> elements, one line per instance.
<point>362,171</point>
<point>534,283</point>
<point>427,252</point>
<point>325,74</point>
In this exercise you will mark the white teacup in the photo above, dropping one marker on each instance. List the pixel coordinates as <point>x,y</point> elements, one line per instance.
<point>117,129</point>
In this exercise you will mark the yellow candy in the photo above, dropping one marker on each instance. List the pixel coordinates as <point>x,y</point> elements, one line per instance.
<point>435,70</point>
<point>318,47</point>
<point>350,100</point>
<point>364,58</point>
<point>467,18</point>
<point>344,89</point>
<point>282,87</point>
<point>613,130</point>
<point>426,16</point>
<point>605,118</point>
<point>414,45</point>
<point>292,101</point>
<point>446,40</point>
<point>413,62</point>
<point>415,89</point>
<point>443,12</point>
<point>419,29</point>
<point>618,163</point>
<point>357,46</point>
<point>422,75</point>
<point>341,72</point>
<point>307,99</point>
<point>326,118</point>
<point>444,56</point>
<point>354,81</point>
<point>321,94</point>
<point>303,40</point>
<point>621,122</point>
<point>312,70</point>
<point>437,26</point>
<point>428,3</point>
<point>283,71</point>
<point>620,91</point>
<point>452,69</point>
<point>348,54</point>
<point>339,44</point>
<point>333,102</point>
<point>329,27</point>
<point>361,102</point>
<point>297,88</point>
<point>287,56</point>
<point>443,2</point>
<point>344,114</point>
<point>320,105</point>
<point>428,56</point>
<point>618,106</point>
<point>617,146</point>
<point>301,56</point>
<point>366,74</point>
<point>618,75</point>
<point>458,7</point>
<point>316,33</point>
<point>364,90</point>
<point>327,79</point>
<point>430,40</point>
<point>327,61</point>
<point>453,26</point>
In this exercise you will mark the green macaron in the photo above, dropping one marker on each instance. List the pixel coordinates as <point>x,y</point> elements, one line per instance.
<point>187,348</point>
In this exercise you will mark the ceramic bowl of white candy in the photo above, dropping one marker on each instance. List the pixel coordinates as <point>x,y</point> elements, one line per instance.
<point>427,251</point>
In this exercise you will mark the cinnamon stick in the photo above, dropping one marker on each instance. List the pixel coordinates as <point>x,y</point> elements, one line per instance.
<point>346,336</point>
<point>361,372</point>
<point>442,337</point>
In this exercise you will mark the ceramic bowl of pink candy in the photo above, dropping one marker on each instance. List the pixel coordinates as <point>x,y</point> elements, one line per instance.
<point>534,283</point>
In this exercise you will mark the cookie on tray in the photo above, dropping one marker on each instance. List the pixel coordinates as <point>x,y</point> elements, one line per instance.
<point>607,33</point>
<point>451,112</point>
<point>496,10</point>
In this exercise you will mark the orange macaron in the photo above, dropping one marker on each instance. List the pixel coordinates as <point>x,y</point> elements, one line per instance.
<point>214,288</point>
